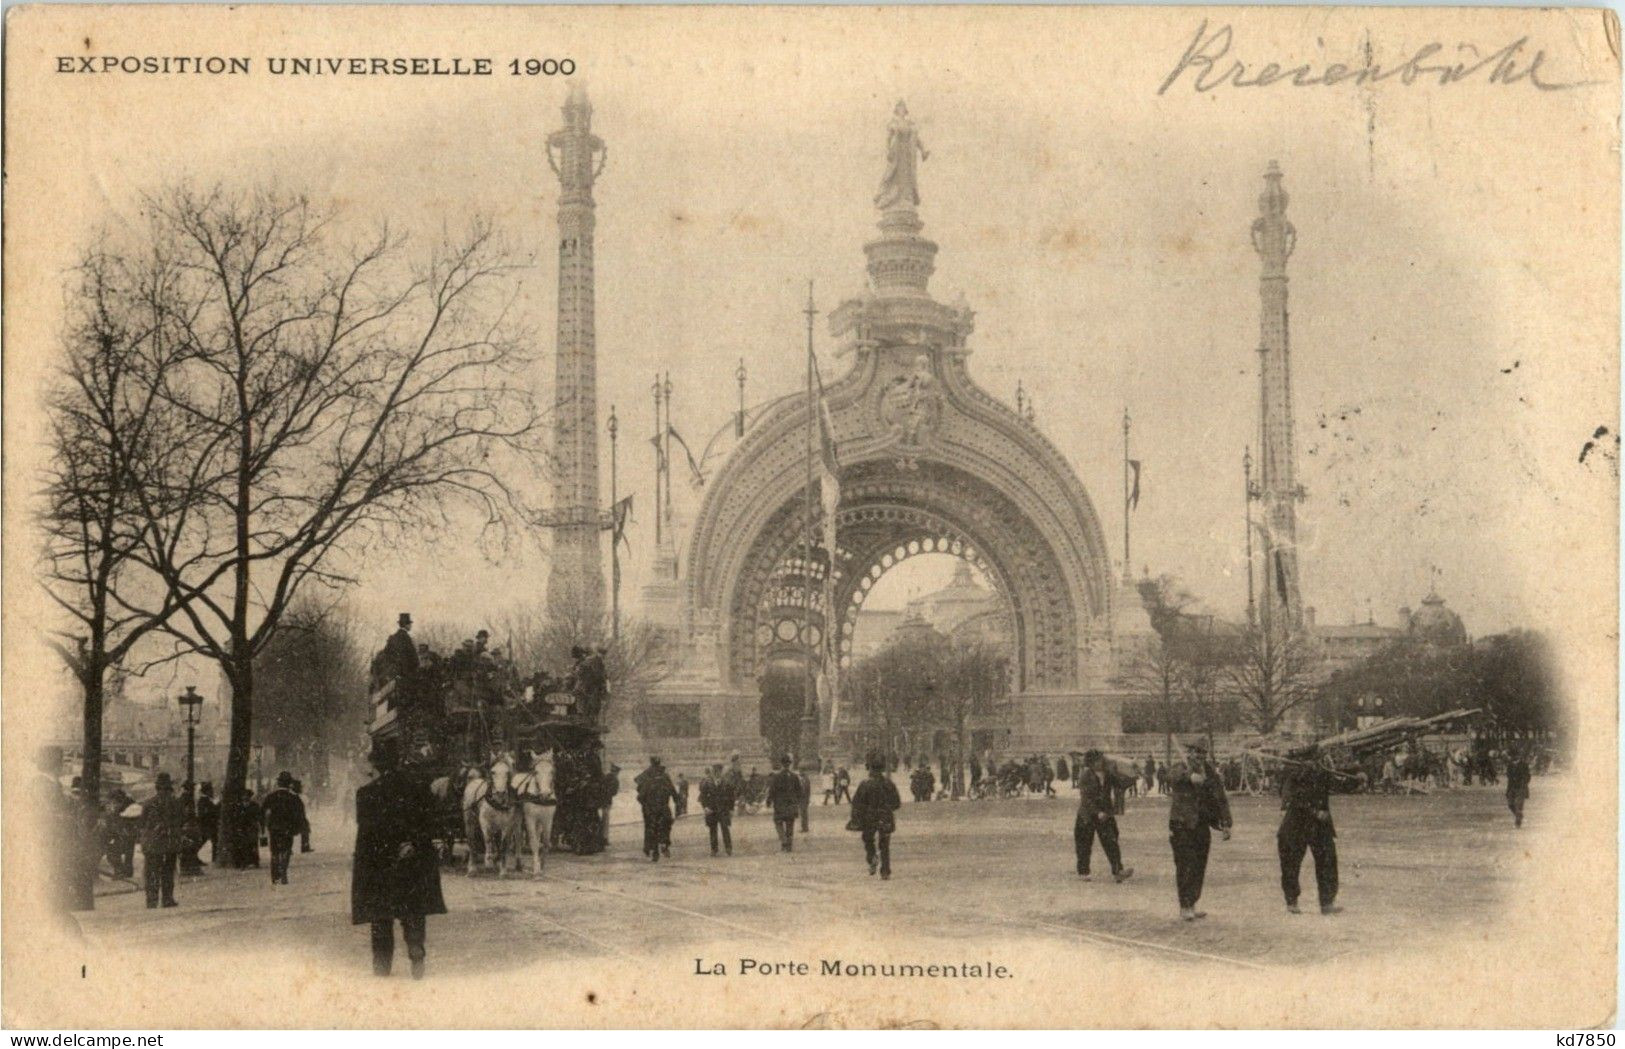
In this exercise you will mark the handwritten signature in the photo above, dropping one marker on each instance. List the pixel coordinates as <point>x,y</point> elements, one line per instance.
<point>1209,65</point>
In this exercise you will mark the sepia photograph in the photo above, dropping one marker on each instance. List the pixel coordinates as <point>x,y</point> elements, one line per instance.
<point>774,517</point>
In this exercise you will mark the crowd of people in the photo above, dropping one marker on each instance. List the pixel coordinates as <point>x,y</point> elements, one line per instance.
<point>412,677</point>
<point>98,837</point>
<point>400,838</point>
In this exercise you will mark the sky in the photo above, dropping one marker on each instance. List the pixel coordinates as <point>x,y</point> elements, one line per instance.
<point>1446,363</point>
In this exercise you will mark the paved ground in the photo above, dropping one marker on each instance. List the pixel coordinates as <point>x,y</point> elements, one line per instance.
<point>1413,868</point>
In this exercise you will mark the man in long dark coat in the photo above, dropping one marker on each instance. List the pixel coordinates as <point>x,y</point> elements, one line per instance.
<point>1517,785</point>
<point>163,832</point>
<point>1306,824</point>
<point>589,683</point>
<point>655,797</point>
<point>401,661</point>
<point>396,876</point>
<point>284,815</point>
<point>874,814</point>
<point>784,795</point>
<point>1096,818</point>
<point>717,799</point>
<point>1199,806</point>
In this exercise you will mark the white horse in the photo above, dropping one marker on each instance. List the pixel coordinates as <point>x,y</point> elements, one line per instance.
<point>499,815</point>
<point>534,789</point>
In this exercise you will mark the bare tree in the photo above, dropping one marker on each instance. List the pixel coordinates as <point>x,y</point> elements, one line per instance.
<point>336,397</point>
<point>541,637</point>
<point>311,687</point>
<point>1271,675</point>
<point>1157,678</point>
<point>976,684</point>
<point>896,689</point>
<point>112,446</point>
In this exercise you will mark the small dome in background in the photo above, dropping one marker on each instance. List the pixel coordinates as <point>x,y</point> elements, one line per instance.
<point>1435,623</point>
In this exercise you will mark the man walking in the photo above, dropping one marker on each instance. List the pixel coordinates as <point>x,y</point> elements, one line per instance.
<point>736,779</point>
<point>806,800</point>
<point>874,809</point>
<point>1199,805</point>
<point>784,795</point>
<point>843,785</point>
<point>655,796</point>
<point>1517,785</point>
<point>717,800</point>
<point>396,876</point>
<point>682,795</point>
<point>284,815</point>
<point>1306,823</point>
<point>163,830</point>
<point>1095,817</point>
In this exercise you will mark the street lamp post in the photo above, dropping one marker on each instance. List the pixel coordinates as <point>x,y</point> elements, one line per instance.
<point>191,705</point>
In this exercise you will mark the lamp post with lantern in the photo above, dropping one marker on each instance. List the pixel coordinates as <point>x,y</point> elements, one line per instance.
<point>191,705</point>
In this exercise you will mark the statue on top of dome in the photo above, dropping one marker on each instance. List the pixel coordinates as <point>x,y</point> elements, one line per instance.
<point>901,186</point>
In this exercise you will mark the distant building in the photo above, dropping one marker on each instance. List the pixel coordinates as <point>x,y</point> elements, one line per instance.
<point>1345,644</point>
<point>964,611</point>
<point>140,739</point>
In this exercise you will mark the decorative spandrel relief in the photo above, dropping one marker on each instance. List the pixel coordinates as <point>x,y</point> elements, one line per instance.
<point>911,409</point>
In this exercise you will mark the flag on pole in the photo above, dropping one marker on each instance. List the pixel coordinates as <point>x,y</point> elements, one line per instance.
<point>660,452</point>
<point>1280,576</point>
<point>829,492</point>
<point>620,514</point>
<point>697,476</point>
<point>1134,496</point>
<point>829,481</point>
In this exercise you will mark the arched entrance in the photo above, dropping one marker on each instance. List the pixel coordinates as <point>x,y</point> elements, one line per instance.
<point>928,462</point>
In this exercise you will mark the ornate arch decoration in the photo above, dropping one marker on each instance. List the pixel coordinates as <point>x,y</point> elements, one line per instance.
<point>925,455</point>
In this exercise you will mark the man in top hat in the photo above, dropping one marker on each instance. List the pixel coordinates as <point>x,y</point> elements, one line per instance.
<point>163,834</point>
<point>1199,807</point>
<point>1306,823</point>
<point>784,794</point>
<point>284,816</point>
<point>396,876</point>
<point>1096,817</point>
<point>400,652</point>
<point>655,796</point>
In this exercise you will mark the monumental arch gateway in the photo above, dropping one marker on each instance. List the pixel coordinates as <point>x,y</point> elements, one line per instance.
<point>928,463</point>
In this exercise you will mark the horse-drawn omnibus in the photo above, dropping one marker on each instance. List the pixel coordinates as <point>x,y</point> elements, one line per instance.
<point>498,756</point>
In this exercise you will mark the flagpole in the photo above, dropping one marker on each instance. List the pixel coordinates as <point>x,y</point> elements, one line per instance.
<point>614,534</point>
<point>658,466</point>
<point>1128,564</point>
<point>809,709</point>
<point>1247,526</point>
<point>667,432</point>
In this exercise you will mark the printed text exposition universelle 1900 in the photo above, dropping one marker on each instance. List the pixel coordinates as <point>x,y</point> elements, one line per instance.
<point>239,65</point>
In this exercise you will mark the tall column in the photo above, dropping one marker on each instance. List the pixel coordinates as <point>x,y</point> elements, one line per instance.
<point>1278,490</point>
<point>575,580</point>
